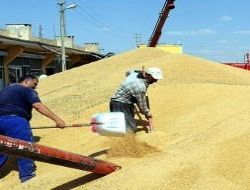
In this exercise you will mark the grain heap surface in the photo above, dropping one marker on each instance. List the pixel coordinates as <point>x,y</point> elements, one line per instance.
<point>201,117</point>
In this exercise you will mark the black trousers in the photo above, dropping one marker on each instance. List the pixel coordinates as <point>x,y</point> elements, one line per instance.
<point>128,110</point>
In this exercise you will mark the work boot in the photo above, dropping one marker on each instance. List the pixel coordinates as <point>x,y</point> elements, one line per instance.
<point>27,169</point>
<point>27,178</point>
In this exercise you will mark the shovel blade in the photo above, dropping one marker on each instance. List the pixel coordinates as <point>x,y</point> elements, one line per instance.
<point>112,124</point>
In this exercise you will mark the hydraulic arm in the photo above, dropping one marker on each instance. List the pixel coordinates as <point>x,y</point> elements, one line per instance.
<point>168,5</point>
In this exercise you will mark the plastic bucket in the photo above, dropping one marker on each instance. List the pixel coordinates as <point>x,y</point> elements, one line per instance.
<point>111,124</point>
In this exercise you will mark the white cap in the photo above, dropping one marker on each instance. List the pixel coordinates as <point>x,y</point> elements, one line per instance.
<point>42,76</point>
<point>155,72</point>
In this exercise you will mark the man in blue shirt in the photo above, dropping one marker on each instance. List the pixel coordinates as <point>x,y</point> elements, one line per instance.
<point>16,104</point>
<point>133,91</point>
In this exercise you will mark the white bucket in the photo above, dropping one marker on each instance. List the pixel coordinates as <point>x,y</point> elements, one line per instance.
<point>111,124</point>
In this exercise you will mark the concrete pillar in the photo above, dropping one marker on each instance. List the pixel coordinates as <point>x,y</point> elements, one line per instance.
<point>13,52</point>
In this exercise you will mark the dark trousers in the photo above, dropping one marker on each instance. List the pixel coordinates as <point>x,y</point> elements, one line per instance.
<point>128,110</point>
<point>19,128</point>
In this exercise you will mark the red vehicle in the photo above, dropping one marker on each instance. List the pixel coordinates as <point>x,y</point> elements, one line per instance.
<point>239,65</point>
<point>245,65</point>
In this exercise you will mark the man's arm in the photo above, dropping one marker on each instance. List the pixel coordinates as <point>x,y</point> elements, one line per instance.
<point>143,106</point>
<point>41,108</point>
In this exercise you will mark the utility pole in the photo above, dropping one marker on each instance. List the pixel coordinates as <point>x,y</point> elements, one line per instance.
<point>63,59</point>
<point>40,31</point>
<point>62,30</point>
<point>138,40</point>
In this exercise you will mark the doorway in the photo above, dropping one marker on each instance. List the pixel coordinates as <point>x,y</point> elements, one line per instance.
<point>1,78</point>
<point>15,73</point>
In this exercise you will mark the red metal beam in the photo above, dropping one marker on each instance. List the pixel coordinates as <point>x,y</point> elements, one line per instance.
<point>245,66</point>
<point>168,5</point>
<point>19,148</point>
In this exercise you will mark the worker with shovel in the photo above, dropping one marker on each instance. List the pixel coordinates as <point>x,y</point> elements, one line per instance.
<point>16,103</point>
<point>133,91</point>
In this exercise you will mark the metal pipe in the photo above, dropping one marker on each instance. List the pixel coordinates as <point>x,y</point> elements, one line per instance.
<point>20,148</point>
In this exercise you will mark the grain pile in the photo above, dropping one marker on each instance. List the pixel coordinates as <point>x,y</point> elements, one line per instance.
<point>201,115</point>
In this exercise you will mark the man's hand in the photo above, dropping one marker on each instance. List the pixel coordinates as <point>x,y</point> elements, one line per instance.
<point>150,125</point>
<point>60,123</point>
<point>43,109</point>
<point>149,117</point>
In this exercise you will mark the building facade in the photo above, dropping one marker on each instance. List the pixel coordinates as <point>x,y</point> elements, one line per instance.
<point>170,48</point>
<point>21,53</point>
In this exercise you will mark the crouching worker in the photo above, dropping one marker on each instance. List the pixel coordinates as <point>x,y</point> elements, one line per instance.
<point>133,91</point>
<point>16,103</point>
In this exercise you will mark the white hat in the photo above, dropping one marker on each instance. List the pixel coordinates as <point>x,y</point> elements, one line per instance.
<point>42,76</point>
<point>155,72</point>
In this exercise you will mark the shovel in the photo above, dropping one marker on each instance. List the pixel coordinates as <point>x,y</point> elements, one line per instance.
<point>66,126</point>
<point>105,124</point>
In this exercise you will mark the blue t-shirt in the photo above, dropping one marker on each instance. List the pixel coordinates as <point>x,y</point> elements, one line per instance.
<point>16,99</point>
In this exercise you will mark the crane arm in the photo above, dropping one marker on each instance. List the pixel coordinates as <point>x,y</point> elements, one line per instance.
<point>168,5</point>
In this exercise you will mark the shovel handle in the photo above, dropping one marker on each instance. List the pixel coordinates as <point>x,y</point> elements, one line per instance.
<point>69,126</point>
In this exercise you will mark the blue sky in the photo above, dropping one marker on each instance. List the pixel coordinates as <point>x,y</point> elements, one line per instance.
<point>212,29</point>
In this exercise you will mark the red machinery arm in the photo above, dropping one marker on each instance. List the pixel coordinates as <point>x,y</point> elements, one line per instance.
<point>169,5</point>
<point>19,148</point>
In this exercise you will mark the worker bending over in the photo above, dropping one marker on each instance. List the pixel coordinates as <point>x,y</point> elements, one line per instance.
<point>133,91</point>
<point>16,103</point>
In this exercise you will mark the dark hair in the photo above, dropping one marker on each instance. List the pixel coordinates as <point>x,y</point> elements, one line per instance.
<point>27,77</point>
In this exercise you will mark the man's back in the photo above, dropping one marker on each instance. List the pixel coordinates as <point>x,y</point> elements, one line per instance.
<point>130,88</point>
<point>16,99</point>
